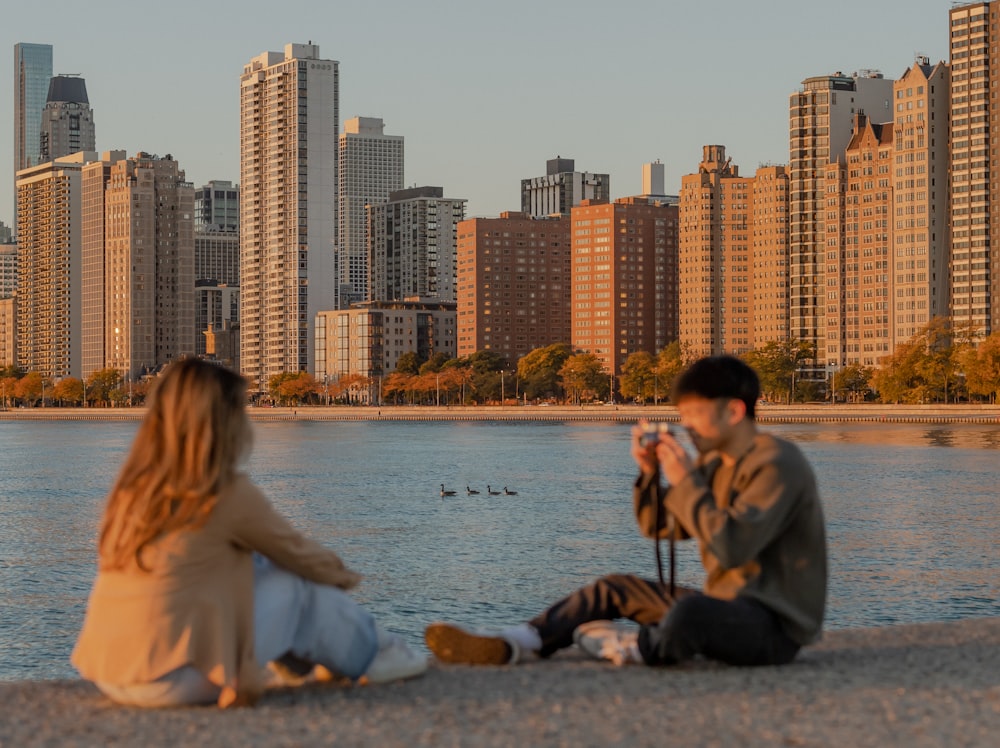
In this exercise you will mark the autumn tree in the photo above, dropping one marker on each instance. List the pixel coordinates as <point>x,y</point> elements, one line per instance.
<point>981,366</point>
<point>29,388</point>
<point>396,386</point>
<point>851,382</point>
<point>921,370</point>
<point>408,363</point>
<point>637,377</point>
<point>777,364</point>
<point>69,391</point>
<point>669,363</point>
<point>583,374</point>
<point>538,370</point>
<point>100,385</point>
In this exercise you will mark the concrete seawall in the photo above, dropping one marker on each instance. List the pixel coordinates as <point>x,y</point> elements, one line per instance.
<point>906,686</point>
<point>983,414</point>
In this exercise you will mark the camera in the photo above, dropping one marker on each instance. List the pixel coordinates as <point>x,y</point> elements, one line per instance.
<point>651,433</point>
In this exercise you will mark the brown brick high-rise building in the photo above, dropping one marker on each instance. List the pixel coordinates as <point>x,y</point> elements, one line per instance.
<point>513,284</point>
<point>624,278</point>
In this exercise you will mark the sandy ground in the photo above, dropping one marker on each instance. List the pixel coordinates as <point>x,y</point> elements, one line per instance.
<point>921,685</point>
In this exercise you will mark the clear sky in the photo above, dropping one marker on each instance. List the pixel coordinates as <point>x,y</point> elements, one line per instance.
<point>483,92</point>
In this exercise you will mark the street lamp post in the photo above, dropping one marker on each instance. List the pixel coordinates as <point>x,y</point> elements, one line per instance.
<point>437,377</point>
<point>501,388</point>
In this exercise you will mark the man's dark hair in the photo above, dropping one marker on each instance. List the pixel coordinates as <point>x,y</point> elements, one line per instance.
<point>716,377</point>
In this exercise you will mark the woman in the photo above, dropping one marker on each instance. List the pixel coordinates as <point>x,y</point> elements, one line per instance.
<point>200,582</point>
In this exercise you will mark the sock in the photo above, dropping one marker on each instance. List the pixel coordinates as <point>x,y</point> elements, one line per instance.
<point>524,635</point>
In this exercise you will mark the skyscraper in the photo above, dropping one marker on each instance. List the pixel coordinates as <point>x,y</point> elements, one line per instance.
<point>32,73</point>
<point>920,238</point>
<point>94,180</point>
<point>67,121</point>
<point>715,257</point>
<point>149,264</point>
<point>411,240</point>
<point>975,189</point>
<point>49,270</point>
<point>821,120</point>
<point>561,188</point>
<point>288,207</point>
<point>371,167</point>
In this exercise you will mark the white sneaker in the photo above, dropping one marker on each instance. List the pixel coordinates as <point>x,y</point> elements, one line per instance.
<point>395,661</point>
<point>614,641</point>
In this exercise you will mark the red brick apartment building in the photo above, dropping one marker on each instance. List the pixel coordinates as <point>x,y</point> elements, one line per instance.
<point>624,278</point>
<point>513,284</point>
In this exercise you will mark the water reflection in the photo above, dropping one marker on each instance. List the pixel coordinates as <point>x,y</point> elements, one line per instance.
<point>911,513</point>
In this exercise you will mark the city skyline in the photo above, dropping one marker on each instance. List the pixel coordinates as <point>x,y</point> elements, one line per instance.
<point>482,99</point>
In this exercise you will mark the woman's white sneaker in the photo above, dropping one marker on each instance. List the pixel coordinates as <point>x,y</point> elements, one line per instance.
<point>395,661</point>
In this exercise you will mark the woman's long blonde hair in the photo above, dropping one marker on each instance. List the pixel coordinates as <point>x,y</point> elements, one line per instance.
<point>188,446</point>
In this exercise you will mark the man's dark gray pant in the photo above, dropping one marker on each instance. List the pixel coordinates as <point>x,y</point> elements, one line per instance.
<point>737,632</point>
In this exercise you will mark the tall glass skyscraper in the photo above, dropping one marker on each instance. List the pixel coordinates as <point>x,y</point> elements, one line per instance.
<point>32,73</point>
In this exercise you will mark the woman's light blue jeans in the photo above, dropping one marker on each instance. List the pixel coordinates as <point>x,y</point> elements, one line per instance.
<point>312,622</point>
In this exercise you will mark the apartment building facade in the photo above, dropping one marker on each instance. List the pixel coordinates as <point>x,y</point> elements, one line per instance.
<point>412,245</point>
<point>49,267</point>
<point>514,284</point>
<point>149,265</point>
<point>371,168</point>
<point>921,280</point>
<point>975,174</point>
<point>289,114</point>
<point>561,188</point>
<point>624,278</point>
<point>369,339</point>
<point>821,120</point>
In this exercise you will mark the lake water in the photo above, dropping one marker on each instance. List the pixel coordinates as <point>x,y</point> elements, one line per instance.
<point>911,513</point>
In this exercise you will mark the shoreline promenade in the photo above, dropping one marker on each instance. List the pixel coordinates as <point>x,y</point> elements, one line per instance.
<point>906,686</point>
<point>766,413</point>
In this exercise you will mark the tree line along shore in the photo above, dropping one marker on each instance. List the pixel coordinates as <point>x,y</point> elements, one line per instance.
<point>766,413</point>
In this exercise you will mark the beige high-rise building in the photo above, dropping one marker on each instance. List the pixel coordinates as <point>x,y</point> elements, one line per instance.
<point>289,115</point>
<point>821,118</point>
<point>371,168</point>
<point>858,234</point>
<point>93,313</point>
<point>514,284</point>
<point>921,236</point>
<point>733,256</point>
<point>769,254</point>
<point>715,264</point>
<point>148,265</point>
<point>624,278</point>
<point>49,266</point>
<point>975,174</point>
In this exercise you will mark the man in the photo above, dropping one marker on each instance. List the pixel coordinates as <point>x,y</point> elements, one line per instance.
<point>750,501</point>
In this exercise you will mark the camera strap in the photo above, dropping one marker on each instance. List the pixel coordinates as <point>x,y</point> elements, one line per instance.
<point>658,520</point>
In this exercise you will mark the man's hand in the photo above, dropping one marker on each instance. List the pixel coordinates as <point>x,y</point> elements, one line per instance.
<point>643,454</point>
<point>674,460</point>
<point>671,456</point>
